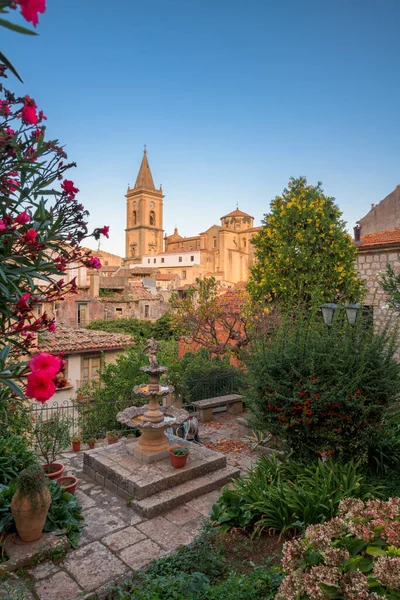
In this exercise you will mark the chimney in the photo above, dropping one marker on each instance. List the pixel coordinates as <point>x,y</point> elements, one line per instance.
<point>357,232</point>
<point>372,206</point>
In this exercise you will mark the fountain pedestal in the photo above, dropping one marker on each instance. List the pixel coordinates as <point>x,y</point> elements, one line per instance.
<point>152,419</point>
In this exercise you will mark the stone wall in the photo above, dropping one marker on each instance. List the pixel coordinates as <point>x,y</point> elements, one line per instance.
<point>383,216</point>
<point>371,264</point>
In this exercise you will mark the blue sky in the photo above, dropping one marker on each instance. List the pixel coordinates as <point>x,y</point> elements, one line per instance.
<point>231,97</point>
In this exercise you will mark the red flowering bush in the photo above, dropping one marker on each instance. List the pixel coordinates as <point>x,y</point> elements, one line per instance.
<point>355,555</point>
<point>323,390</point>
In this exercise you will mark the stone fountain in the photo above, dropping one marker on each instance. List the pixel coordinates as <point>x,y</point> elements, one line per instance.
<point>140,471</point>
<point>152,419</point>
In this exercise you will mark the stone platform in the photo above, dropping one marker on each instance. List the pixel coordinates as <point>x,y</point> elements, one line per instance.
<point>154,488</point>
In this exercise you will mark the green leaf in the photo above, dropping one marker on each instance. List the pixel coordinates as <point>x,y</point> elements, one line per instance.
<point>17,28</point>
<point>13,70</point>
<point>330,590</point>
<point>373,551</point>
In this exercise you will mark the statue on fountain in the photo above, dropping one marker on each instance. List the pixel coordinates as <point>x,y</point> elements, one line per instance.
<point>150,350</point>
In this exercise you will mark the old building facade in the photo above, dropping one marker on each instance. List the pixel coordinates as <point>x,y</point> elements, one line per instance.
<point>223,251</point>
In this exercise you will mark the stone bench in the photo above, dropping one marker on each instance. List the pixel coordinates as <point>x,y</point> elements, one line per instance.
<point>204,408</point>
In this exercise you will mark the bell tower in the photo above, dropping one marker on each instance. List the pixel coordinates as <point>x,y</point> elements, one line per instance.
<point>144,216</point>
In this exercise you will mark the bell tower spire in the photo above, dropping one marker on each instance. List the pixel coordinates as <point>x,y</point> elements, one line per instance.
<point>144,216</point>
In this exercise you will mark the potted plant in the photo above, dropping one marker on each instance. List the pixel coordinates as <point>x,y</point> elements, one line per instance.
<point>91,441</point>
<point>112,437</point>
<point>178,456</point>
<point>76,443</point>
<point>30,503</point>
<point>52,437</point>
<point>68,483</point>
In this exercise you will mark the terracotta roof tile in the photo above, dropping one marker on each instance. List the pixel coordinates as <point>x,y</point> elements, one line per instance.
<point>390,236</point>
<point>165,276</point>
<point>237,213</point>
<point>68,340</point>
<point>176,250</point>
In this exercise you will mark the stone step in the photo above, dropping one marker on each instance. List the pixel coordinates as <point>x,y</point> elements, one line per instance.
<point>170,498</point>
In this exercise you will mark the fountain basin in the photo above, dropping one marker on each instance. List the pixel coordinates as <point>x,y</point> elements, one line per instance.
<point>130,417</point>
<point>146,390</point>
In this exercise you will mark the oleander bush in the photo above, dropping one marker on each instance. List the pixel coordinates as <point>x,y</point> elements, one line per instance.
<point>284,497</point>
<point>355,555</point>
<point>322,390</point>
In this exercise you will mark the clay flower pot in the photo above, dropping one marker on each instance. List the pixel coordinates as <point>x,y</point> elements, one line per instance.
<point>91,445</point>
<point>76,446</point>
<point>112,439</point>
<point>30,521</point>
<point>55,471</point>
<point>178,460</point>
<point>68,483</point>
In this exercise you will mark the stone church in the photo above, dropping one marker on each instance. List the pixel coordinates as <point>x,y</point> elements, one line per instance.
<point>223,251</point>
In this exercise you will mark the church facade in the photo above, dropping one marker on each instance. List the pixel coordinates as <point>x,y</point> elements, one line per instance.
<point>223,251</point>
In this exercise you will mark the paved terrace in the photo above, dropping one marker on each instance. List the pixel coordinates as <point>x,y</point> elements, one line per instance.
<point>116,541</point>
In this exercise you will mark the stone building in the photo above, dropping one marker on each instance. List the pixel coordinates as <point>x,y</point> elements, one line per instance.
<point>138,304</point>
<point>223,251</point>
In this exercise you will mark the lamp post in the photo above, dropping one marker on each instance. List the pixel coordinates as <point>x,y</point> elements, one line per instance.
<point>352,312</point>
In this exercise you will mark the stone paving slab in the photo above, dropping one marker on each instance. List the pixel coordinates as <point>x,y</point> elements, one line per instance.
<point>164,533</point>
<point>94,565</point>
<point>100,522</point>
<point>58,586</point>
<point>140,554</point>
<point>122,539</point>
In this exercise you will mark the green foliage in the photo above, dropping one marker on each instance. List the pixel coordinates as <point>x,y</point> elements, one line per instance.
<point>322,390</point>
<point>31,483</point>
<point>159,330</point>
<point>390,282</point>
<point>180,451</point>
<point>15,416</point>
<point>287,496</point>
<point>384,449</point>
<point>64,512</point>
<point>304,254</point>
<point>52,436</point>
<point>14,456</point>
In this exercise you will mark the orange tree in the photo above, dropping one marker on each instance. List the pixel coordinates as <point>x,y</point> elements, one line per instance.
<point>304,256</point>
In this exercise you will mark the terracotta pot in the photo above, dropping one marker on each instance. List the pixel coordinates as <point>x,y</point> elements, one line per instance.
<point>30,521</point>
<point>177,461</point>
<point>112,439</point>
<point>68,483</point>
<point>76,446</point>
<point>56,470</point>
<point>91,445</point>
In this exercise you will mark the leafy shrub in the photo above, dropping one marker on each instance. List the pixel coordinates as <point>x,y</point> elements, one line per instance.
<point>356,555</point>
<point>323,390</point>
<point>52,436</point>
<point>384,448</point>
<point>14,456</point>
<point>64,512</point>
<point>288,496</point>
<point>261,583</point>
<point>159,330</point>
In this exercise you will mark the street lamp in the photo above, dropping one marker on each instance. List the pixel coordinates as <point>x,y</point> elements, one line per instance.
<point>328,310</point>
<point>352,312</point>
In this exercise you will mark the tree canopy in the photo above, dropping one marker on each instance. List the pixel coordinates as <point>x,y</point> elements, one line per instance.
<point>304,255</point>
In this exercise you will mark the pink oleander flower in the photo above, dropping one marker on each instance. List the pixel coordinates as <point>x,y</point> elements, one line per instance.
<point>93,263</point>
<point>52,327</point>
<point>28,113</point>
<point>22,218</point>
<point>3,225</point>
<point>40,386</point>
<point>104,231</point>
<point>68,187</point>
<point>45,363</point>
<point>4,107</point>
<point>30,235</point>
<point>23,301</point>
<point>30,9</point>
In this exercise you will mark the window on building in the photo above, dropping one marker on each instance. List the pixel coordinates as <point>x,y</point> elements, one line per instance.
<point>162,260</point>
<point>118,311</point>
<point>154,260</point>
<point>39,308</point>
<point>148,260</point>
<point>134,219</point>
<point>192,258</point>
<point>244,243</point>
<point>183,274</point>
<point>180,259</point>
<point>91,366</point>
<point>152,217</point>
<point>146,310</point>
<point>214,242</point>
<point>82,314</point>
<point>106,263</point>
